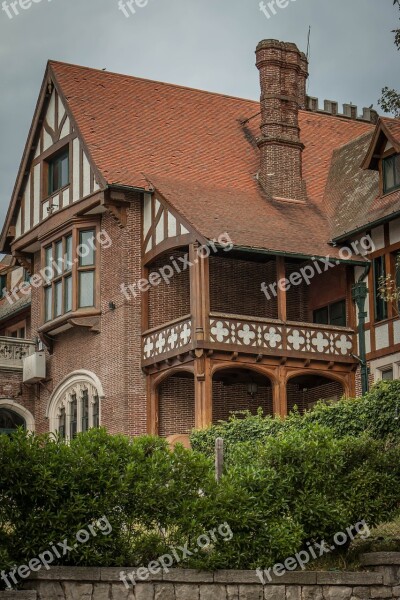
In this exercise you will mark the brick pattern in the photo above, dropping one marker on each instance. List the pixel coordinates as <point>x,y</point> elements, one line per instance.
<point>235,287</point>
<point>305,400</point>
<point>176,406</point>
<point>230,398</point>
<point>171,301</point>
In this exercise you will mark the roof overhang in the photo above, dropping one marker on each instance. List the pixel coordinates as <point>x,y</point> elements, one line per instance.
<point>373,155</point>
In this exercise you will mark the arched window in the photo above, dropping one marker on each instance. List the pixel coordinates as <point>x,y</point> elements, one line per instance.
<point>75,405</point>
<point>10,421</point>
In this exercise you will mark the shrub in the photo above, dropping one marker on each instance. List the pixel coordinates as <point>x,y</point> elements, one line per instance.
<point>377,414</point>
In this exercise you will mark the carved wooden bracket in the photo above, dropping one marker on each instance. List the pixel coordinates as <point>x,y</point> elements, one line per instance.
<point>26,261</point>
<point>118,212</point>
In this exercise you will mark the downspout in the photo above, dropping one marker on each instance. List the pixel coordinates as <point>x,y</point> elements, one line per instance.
<point>359,295</point>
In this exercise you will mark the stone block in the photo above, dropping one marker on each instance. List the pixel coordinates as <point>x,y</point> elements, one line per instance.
<point>251,592</point>
<point>187,591</point>
<point>293,592</point>
<point>349,579</point>
<point>337,592</point>
<point>120,592</point>
<point>232,592</point>
<point>101,591</point>
<point>188,576</point>
<point>78,591</point>
<point>19,595</point>
<point>164,591</point>
<point>309,592</point>
<point>381,592</point>
<point>213,592</point>
<point>48,590</point>
<point>274,592</point>
<point>362,592</point>
<point>144,591</point>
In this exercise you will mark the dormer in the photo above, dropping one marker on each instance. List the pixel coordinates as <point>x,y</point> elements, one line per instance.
<point>384,155</point>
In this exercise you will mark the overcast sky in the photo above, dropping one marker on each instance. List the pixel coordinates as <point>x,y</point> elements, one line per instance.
<point>208,44</point>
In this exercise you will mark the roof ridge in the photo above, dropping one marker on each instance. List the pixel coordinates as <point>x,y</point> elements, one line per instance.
<point>145,79</point>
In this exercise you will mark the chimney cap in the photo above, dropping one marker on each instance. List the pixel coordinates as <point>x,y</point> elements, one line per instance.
<point>287,46</point>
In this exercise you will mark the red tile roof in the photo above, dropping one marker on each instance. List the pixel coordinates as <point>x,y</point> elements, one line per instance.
<point>199,149</point>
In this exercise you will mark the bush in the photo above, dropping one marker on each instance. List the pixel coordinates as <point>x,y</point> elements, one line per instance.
<point>299,484</point>
<point>377,414</point>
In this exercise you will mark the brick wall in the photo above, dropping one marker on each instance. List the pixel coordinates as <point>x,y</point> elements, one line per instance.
<point>304,400</point>
<point>114,354</point>
<point>235,397</point>
<point>169,301</point>
<point>176,406</point>
<point>235,287</point>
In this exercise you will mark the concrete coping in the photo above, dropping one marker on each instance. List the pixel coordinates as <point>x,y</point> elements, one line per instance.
<point>187,576</point>
<point>375,559</point>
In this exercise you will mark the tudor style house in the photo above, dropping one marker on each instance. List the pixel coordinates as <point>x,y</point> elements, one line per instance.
<point>124,180</point>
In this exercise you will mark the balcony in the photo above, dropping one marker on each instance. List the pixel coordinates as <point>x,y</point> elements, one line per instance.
<point>13,351</point>
<point>235,333</point>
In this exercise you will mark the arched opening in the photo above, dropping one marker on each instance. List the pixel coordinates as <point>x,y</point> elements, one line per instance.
<point>236,389</point>
<point>304,391</point>
<point>176,405</point>
<point>10,421</point>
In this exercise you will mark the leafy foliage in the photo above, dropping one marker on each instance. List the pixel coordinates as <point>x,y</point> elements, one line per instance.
<point>390,99</point>
<point>377,414</point>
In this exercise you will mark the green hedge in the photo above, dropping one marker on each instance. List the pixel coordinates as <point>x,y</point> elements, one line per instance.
<point>377,414</point>
<point>297,485</point>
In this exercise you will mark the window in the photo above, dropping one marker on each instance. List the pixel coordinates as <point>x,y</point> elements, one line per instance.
<point>3,285</point>
<point>16,331</point>
<point>10,421</point>
<point>391,173</point>
<point>58,169</point>
<point>333,314</point>
<point>69,267</point>
<point>387,374</point>
<point>76,408</point>
<point>379,270</point>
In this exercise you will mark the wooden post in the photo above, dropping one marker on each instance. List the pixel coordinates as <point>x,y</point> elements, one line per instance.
<point>219,458</point>
<point>281,275</point>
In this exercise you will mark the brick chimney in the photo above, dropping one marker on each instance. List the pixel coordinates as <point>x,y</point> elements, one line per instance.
<point>283,75</point>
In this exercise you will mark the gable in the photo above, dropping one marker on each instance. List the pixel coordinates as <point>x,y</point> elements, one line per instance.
<point>53,130</point>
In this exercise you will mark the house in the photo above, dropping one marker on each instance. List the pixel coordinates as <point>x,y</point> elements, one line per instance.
<point>191,254</point>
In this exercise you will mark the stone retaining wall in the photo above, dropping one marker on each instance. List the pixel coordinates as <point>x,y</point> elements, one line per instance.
<point>381,580</point>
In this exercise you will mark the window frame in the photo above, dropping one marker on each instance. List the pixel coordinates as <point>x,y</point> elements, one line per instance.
<point>50,162</point>
<point>379,303</point>
<point>72,233</point>
<point>385,161</point>
<point>328,308</point>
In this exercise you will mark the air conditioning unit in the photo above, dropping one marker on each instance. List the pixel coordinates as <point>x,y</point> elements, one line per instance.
<point>34,368</point>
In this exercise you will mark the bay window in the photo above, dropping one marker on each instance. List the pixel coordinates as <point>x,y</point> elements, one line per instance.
<point>69,273</point>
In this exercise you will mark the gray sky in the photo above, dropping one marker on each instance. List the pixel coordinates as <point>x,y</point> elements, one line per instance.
<point>208,44</point>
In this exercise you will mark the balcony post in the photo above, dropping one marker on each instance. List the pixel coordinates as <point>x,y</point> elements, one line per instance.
<point>199,291</point>
<point>203,390</point>
<point>281,277</point>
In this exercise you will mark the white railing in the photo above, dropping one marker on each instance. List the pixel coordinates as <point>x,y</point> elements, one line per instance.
<point>13,351</point>
<point>167,340</point>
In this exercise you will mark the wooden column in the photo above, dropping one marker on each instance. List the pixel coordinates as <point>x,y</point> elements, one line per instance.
<point>280,394</point>
<point>199,292</point>
<point>281,276</point>
<point>203,390</point>
<point>152,406</point>
<point>200,311</point>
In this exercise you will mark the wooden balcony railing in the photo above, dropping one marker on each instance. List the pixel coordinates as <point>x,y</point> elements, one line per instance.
<point>166,341</point>
<point>13,351</point>
<point>270,336</point>
<point>253,335</point>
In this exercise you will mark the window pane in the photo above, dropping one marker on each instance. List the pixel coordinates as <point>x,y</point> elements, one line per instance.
<point>48,301</point>
<point>321,316</point>
<point>74,417</point>
<point>387,375</point>
<point>58,299</point>
<point>86,248</point>
<point>388,171</point>
<point>49,261</point>
<point>338,314</point>
<point>85,410</point>
<point>380,303</point>
<point>61,423</point>
<point>64,171</point>
<point>68,294</point>
<point>58,258</point>
<point>86,289</point>
<point>396,161</point>
<point>96,416</point>
<point>68,253</point>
